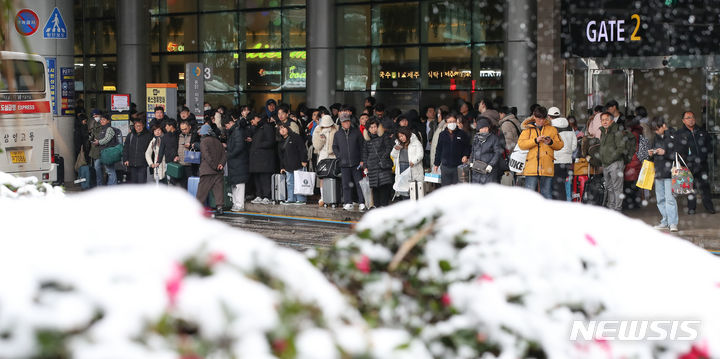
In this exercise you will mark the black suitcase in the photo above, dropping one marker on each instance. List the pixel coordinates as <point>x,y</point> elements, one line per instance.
<point>595,191</point>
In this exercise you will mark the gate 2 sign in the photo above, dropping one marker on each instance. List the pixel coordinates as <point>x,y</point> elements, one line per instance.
<point>26,22</point>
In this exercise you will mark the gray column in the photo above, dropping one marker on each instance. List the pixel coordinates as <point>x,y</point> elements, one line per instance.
<point>320,53</point>
<point>133,48</point>
<point>520,72</point>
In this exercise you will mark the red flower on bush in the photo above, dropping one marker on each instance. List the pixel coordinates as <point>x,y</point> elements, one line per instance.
<point>446,301</point>
<point>215,258</point>
<point>279,345</point>
<point>590,239</point>
<point>174,282</point>
<point>697,352</point>
<point>363,264</point>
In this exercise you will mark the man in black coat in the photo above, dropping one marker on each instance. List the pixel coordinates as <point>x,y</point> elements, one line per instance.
<point>262,157</point>
<point>238,160</point>
<point>453,149</point>
<point>347,147</point>
<point>293,157</point>
<point>695,144</point>
<point>136,142</point>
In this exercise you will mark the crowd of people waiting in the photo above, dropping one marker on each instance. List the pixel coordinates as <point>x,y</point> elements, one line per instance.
<point>395,149</point>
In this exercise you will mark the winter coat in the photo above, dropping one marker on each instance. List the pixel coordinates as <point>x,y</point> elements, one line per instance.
<point>169,146</point>
<point>439,128</point>
<point>107,137</point>
<point>564,155</point>
<point>415,156</point>
<point>292,152</point>
<point>664,163</point>
<point>212,155</point>
<point>376,154</point>
<point>324,146</point>
<point>541,157</point>
<point>94,129</point>
<point>510,127</point>
<point>593,126</point>
<point>238,155</point>
<point>493,116</point>
<point>488,148</point>
<point>135,146</point>
<point>152,156</point>
<point>612,144</point>
<point>262,149</point>
<point>452,147</point>
<point>347,146</point>
<point>694,146</point>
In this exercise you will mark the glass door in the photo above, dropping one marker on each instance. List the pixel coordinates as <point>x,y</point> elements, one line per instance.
<point>712,121</point>
<point>606,85</point>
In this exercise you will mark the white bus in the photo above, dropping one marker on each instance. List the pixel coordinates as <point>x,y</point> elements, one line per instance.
<point>27,147</point>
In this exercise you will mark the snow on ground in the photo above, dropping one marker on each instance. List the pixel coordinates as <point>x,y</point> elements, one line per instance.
<point>503,272</point>
<point>139,272</point>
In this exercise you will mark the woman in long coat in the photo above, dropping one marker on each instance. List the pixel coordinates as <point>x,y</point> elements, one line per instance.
<point>377,161</point>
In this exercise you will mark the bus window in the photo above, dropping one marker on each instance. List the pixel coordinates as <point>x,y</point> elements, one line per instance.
<point>26,76</point>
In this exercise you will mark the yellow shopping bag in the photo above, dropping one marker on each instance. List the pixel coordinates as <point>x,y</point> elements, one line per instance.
<point>647,175</point>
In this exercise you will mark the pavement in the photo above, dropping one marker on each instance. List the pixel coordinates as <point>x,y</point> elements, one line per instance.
<point>701,228</point>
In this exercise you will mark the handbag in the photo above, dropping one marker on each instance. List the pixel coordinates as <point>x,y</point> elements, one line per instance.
<point>682,179</point>
<point>174,170</point>
<point>517,159</point>
<point>192,157</point>
<point>328,168</point>
<point>304,183</point>
<point>80,161</point>
<point>111,155</point>
<point>479,167</point>
<point>646,178</point>
<point>385,164</point>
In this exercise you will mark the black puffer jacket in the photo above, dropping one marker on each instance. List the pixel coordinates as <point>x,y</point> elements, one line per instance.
<point>262,149</point>
<point>347,146</point>
<point>292,152</point>
<point>694,146</point>
<point>489,149</point>
<point>376,157</point>
<point>664,163</point>
<point>238,154</point>
<point>135,146</point>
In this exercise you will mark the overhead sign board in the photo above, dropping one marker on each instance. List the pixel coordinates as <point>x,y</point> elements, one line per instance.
<point>55,26</point>
<point>592,28</point>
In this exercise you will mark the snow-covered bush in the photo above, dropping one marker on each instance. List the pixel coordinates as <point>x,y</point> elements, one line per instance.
<point>20,187</point>
<point>488,271</point>
<point>138,272</point>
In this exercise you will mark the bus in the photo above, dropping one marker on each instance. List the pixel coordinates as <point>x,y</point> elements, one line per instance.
<point>27,147</point>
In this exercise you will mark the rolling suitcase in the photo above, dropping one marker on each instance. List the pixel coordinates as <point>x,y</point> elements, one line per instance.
<point>192,186</point>
<point>84,177</point>
<point>463,174</point>
<point>279,188</point>
<point>331,191</point>
<point>417,190</point>
<point>227,193</point>
<point>594,191</point>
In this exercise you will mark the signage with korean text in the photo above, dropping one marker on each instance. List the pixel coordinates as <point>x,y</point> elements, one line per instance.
<point>67,91</point>
<point>55,27</point>
<point>195,87</point>
<point>26,22</point>
<point>52,79</point>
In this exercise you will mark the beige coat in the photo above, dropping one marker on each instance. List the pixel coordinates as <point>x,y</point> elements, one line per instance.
<point>323,146</point>
<point>433,146</point>
<point>151,155</point>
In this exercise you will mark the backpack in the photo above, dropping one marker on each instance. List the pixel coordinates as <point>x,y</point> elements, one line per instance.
<point>630,144</point>
<point>643,147</point>
<point>591,148</point>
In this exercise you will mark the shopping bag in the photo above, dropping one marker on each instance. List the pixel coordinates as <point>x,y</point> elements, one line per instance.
<point>402,181</point>
<point>517,159</point>
<point>646,178</point>
<point>507,179</point>
<point>192,157</point>
<point>367,193</point>
<point>80,161</point>
<point>682,179</point>
<point>304,183</point>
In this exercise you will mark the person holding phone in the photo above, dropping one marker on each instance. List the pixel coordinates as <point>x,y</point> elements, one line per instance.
<point>541,140</point>
<point>662,153</point>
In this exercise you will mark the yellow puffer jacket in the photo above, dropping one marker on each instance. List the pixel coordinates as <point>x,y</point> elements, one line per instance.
<point>541,157</point>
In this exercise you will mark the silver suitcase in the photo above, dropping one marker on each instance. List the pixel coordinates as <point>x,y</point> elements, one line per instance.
<point>331,191</point>
<point>417,190</point>
<point>279,187</point>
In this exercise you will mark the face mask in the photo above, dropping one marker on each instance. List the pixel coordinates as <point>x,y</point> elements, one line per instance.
<point>473,126</point>
<point>452,126</point>
<point>97,118</point>
<point>207,108</point>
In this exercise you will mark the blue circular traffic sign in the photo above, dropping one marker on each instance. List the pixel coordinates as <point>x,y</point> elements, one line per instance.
<point>26,22</point>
